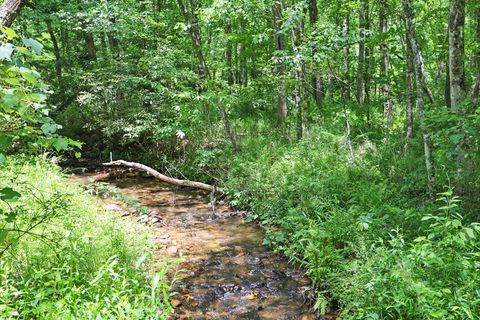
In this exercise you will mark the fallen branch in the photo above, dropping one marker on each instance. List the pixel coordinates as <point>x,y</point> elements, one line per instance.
<point>164,178</point>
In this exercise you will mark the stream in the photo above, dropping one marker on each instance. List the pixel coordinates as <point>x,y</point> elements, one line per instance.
<point>225,272</point>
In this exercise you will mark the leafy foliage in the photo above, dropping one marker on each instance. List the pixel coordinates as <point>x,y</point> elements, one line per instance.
<point>63,257</point>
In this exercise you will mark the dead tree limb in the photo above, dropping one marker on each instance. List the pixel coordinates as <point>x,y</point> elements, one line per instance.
<point>164,178</point>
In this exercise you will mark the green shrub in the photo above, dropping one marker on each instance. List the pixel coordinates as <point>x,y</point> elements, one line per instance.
<point>372,248</point>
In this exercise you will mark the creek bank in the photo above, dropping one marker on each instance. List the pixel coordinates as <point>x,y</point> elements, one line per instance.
<point>225,272</point>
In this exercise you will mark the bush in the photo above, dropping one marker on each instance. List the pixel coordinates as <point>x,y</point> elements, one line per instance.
<point>373,249</point>
<point>73,261</point>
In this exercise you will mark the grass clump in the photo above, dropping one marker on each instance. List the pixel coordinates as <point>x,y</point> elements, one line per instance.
<point>64,258</point>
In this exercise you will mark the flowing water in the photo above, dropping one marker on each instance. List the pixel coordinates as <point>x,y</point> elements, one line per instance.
<point>225,272</point>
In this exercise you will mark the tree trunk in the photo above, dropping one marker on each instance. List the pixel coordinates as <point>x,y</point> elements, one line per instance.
<point>90,49</point>
<point>458,89</point>
<point>456,54</point>
<point>112,37</point>
<point>191,21</point>
<point>346,59</point>
<point>410,96</point>
<point>58,60</point>
<point>316,78</point>
<point>385,67</point>
<point>361,54</point>
<point>229,129</point>
<point>9,10</point>
<point>300,101</point>
<point>369,61</point>
<point>421,88</point>
<point>476,86</point>
<point>280,46</point>
<point>228,53</point>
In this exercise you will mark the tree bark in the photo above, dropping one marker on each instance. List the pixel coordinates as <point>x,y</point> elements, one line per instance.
<point>58,60</point>
<point>421,88</point>
<point>280,47</point>
<point>346,59</point>
<point>90,49</point>
<point>300,100</point>
<point>476,86</point>
<point>361,54</point>
<point>458,89</point>
<point>385,66</point>
<point>9,10</point>
<point>410,96</point>
<point>164,178</point>
<point>456,54</point>
<point>191,21</point>
<point>316,78</point>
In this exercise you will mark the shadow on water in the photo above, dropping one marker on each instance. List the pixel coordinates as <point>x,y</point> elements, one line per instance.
<point>225,272</point>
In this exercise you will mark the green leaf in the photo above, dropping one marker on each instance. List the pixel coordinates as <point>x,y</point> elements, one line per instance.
<point>3,235</point>
<point>470,233</point>
<point>78,155</point>
<point>33,44</point>
<point>60,144</point>
<point>3,158</point>
<point>6,51</point>
<point>49,128</point>
<point>457,137</point>
<point>12,81</point>
<point>9,101</point>
<point>9,32</point>
<point>9,195</point>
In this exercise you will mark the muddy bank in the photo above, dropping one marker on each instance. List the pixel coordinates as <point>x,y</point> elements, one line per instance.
<point>225,271</point>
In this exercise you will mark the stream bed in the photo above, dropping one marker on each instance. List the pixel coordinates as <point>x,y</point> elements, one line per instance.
<point>225,272</point>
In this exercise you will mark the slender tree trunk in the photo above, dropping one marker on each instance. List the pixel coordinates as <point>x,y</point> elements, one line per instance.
<point>361,54</point>
<point>476,86</point>
<point>280,46</point>
<point>369,61</point>
<point>112,37</point>
<point>448,97</point>
<point>191,21</point>
<point>58,60</point>
<point>346,59</point>
<point>228,53</point>
<point>300,101</point>
<point>316,78</point>
<point>456,54</point>
<point>9,10</point>
<point>421,88</point>
<point>385,66</point>
<point>458,89</point>
<point>346,86</point>
<point>90,49</point>
<point>410,96</point>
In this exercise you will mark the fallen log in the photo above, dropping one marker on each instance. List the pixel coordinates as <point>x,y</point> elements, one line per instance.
<point>164,178</point>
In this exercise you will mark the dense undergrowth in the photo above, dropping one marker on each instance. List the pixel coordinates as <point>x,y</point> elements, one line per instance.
<point>372,248</point>
<point>62,257</point>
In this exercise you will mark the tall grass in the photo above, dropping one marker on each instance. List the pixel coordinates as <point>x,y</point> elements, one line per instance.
<point>80,262</point>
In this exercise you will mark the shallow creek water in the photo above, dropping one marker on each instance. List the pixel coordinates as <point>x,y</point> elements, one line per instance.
<point>225,272</point>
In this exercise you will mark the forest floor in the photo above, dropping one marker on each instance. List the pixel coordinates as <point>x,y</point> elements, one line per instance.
<point>224,272</point>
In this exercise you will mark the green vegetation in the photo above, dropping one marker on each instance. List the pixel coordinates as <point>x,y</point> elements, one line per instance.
<point>64,258</point>
<point>350,129</point>
<point>367,244</point>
